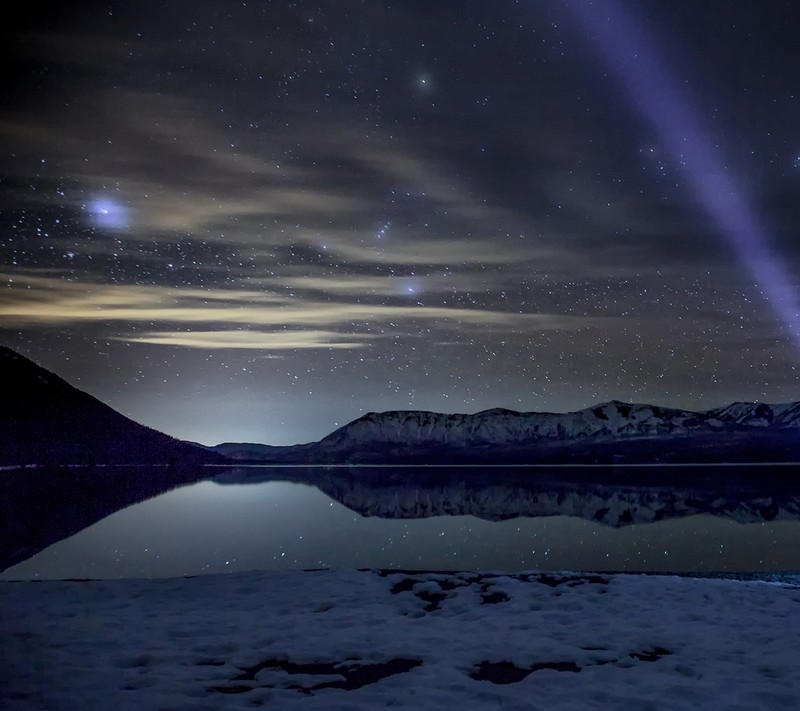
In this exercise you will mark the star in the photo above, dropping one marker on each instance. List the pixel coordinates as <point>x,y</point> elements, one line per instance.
<point>106,212</point>
<point>424,82</point>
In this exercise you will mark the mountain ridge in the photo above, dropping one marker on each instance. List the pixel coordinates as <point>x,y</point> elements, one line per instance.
<point>45,420</point>
<point>608,432</point>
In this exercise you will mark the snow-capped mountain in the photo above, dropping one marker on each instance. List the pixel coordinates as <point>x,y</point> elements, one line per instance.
<point>611,432</point>
<point>758,414</point>
<point>609,420</point>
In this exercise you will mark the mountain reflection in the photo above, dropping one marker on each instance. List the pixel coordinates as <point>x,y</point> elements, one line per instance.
<point>38,508</point>
<point>611,496</point>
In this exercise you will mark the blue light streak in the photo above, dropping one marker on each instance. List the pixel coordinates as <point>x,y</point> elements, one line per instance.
<point>628,52</point>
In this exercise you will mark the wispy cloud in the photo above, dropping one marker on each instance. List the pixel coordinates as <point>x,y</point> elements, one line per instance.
<point>247,318</point>
<point>249,340</point>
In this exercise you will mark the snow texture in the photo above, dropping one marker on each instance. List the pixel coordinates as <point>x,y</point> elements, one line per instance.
<point>370,639</point>
<point>610,420</point>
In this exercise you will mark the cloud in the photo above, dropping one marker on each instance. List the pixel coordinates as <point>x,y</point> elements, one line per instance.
<point>272,319</point>
<point>249,340</point>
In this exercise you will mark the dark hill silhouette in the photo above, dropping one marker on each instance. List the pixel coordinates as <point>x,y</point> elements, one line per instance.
<point>44,420</point>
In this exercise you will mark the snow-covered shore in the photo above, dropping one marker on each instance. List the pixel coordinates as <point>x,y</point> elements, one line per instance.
<point>348,639</point>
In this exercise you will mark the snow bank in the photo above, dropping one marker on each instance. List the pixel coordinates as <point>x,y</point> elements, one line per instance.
<point>348,639</point>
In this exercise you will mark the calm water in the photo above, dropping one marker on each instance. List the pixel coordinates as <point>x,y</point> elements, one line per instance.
<point>704,520</point>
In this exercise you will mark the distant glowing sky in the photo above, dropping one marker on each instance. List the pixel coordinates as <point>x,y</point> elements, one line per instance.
<point>256,221</point>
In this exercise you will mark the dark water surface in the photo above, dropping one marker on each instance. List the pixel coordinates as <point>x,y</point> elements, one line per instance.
<point>136,522</point>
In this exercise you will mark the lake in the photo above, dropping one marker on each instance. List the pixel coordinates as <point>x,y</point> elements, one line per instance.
<point>137,522</point>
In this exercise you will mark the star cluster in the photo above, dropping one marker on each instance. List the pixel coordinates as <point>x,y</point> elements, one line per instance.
<point>258,220</point>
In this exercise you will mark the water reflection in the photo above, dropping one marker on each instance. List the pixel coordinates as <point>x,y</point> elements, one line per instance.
<point>423,518</point>
<point>39,506</point>
<point>615,497</point>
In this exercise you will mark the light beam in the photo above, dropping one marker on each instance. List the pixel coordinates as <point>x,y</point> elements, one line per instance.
<point>627,50</point>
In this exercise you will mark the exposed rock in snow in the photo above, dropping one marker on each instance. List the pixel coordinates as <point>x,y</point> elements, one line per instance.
<point>759,414</point>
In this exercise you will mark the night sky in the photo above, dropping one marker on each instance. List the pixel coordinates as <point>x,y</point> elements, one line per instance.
<point>257,221</point>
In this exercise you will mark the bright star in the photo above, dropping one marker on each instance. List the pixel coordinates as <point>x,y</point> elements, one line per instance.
<point>425,82</point>
<point>108,213</point>
<point>409,286</point>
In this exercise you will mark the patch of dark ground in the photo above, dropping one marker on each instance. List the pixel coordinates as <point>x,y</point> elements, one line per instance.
<point>485,581</point>
<point>354,675</point>
<point>651,655</point>
<point>493,598</point>
<point>509,673</point>
<point>432,598</point>
<point>552,580</point>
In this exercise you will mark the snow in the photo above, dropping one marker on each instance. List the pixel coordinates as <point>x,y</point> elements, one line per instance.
<point>369,639</point>
<point>498,426</point>
<point>609,420</point>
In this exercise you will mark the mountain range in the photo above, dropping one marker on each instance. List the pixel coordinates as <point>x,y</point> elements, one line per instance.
<point>44,420</point>
<point>609,433</point>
